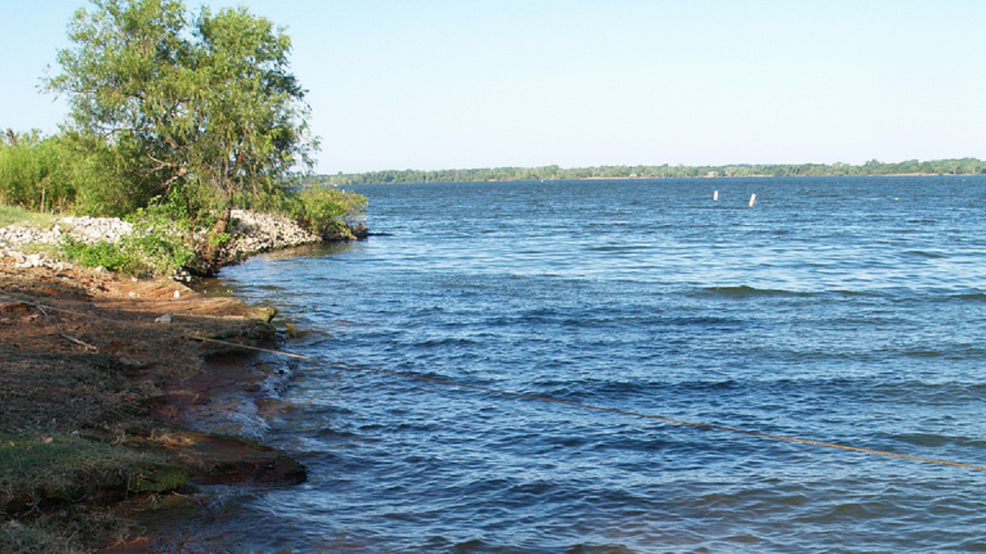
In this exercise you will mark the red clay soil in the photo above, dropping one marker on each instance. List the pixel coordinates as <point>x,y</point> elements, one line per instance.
<point>88,353</point>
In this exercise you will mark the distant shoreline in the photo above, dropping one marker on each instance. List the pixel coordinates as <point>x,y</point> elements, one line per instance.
<point>648,178</point>
<point>764,177</point>
<point>911,168</point>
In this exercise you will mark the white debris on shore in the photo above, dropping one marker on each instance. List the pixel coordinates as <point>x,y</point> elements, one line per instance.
<point>84,229</point>
<point>253,232</point>
<point>94,229</point>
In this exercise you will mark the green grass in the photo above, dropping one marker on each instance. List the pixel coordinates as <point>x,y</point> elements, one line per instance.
<point>28,539</point>
<point>146,255</point>
<point>52,490</point>
<point>68,468</point>
<point>12,214</point>
<point>152,251</point>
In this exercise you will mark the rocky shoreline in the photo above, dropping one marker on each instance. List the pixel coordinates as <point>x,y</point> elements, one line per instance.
<point>102,367</point>
<point>252,233</point>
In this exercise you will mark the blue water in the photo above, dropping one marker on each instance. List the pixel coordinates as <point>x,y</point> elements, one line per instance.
<point>841,310</point>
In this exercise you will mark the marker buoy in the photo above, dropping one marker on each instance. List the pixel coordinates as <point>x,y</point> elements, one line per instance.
<point>715,196</point>
<point>753,199</point>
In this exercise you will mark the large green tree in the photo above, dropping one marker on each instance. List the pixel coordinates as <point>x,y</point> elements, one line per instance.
<point>204,107</point>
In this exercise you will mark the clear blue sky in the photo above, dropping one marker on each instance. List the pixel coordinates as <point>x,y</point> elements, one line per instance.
<point>483,83</point>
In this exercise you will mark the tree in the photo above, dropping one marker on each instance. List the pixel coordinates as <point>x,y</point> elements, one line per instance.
<point>207,112</point>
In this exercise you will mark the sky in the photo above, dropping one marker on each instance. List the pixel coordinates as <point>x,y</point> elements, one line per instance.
<point>442,84</point>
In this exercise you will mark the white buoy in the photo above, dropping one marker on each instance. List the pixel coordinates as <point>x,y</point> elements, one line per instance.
<point>753,199</point>
<point>715,196</point>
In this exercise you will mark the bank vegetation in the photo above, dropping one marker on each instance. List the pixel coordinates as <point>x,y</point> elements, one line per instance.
<point>179,120</point>
<point>176,118</point>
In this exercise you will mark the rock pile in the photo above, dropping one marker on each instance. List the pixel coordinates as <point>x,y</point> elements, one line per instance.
<point>94,229</point>
<point>252,233</point>
<point>85,229</point>
<point>255,232</point>
<point>17,235</point>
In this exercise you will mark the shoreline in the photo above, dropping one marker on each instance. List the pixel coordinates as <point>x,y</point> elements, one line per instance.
<point>663,178</point>
<point>99,366</point>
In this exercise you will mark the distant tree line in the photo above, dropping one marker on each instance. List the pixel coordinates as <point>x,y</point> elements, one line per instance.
<point>961,166</point>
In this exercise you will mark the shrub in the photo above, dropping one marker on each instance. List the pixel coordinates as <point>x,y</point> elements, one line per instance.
<point>105,183</point>
<point>107,254</point>
<point>159,246</point>
<point>327,211</point>
<point>144,256</point>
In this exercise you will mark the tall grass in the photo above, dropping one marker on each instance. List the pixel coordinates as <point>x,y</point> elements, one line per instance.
<point>29,174</point>
<point>12,214</point>
<point>61,174</point>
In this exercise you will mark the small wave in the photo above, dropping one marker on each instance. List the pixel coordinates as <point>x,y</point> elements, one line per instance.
<point>485,547</point>
<point>859,293</point>
<point>743,292</point>
<point>928,393</point>
<point>451,341</point>
<point>712,322</point>
<point>952,352</point>
<point>619,248</point>
<point>924,254</point>
<point>932,440</point>
<point>971,297</point>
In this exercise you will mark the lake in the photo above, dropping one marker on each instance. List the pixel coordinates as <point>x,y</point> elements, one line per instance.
<point>840,310</point>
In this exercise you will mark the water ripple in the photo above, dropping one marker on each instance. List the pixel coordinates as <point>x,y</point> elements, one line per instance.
<point>828,312</point>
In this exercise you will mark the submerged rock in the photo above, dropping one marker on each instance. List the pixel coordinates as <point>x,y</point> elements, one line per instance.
<point>223,459</point>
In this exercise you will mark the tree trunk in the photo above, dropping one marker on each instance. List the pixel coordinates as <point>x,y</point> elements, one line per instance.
<point>211,252</point>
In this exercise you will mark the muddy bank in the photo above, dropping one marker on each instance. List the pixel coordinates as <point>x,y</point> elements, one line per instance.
<point>100,383</point>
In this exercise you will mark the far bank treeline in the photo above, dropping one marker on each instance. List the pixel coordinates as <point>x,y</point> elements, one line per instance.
<point>963,166</point>
<point>176,117</point>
